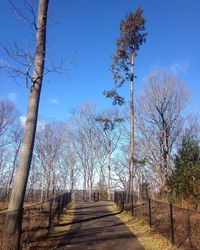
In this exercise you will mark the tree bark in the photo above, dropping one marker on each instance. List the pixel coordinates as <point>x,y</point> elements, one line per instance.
<point>131,156</point>
<point>21,178</point>
<point>109,165</point>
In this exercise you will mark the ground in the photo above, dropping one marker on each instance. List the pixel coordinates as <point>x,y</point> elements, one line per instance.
<point>91,226</point>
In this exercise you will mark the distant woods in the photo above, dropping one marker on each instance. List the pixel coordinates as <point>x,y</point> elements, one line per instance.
<point>86,152</point>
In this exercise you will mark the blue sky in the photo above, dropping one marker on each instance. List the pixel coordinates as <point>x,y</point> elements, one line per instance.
<point>86,30</point>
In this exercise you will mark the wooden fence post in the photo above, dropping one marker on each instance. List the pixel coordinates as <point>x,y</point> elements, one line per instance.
<point>67,198</point>
<point>132,204</point>
<point>20,229</point>
<point>50,213</point>
<point>171,223</point>
<point>58,208</point>
<point>150,219</point>
<point>123,201</point>
<point>63,203</point>
<point>118,200</point>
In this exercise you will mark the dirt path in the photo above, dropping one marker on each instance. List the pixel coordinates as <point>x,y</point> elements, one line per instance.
<point>94,227</point>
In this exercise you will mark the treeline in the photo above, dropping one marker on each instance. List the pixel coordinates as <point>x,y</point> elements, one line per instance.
<point>90,150</point>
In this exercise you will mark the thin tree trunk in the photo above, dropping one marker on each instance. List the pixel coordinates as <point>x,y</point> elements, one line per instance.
<point>14,220</point>
<point>131,156</point>
<point>85,188</point>
<point>13,167</point>
<point>42,184</point>
<point>109,158</point>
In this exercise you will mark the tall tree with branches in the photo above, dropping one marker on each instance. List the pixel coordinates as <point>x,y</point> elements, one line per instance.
<point>160,119</point>
<point>110,133</point>
<point>14,219</point>
<point>132,36</point>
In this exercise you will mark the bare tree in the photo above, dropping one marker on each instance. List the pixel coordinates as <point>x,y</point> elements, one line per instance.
<point>48,144</point>
<point>110,134</point>
<point>17,132</point>
<point>10,140</point>
<point>160,120</point>
<point>87,148</point>
<point>121,169</point>
<point>68,157</point>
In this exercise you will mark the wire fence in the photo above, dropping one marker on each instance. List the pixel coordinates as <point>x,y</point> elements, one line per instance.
<point>32,195</point>
<point>181,226</point>
<point>38,220</point>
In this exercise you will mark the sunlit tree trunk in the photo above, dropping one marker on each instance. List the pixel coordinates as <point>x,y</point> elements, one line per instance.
<point>109,165</point>
<point>131,156</point>
<point>18,192</point>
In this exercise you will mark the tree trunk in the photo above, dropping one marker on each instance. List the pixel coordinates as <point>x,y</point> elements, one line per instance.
<point>42,184</point>
<point>13,167</point>
<point>14,220</point>
<point>109,158</point>
<point>131,156</point>
<point>85,187</point>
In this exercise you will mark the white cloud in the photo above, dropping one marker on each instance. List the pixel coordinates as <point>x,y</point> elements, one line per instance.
<point>22,120</point>
<point>176,67</point>
<point>54,101</point>
<point>12,96</point>
<point>180,67</point>
<point>154,66</point>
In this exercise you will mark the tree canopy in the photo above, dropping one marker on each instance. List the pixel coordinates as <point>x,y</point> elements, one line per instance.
<point>132,35</point>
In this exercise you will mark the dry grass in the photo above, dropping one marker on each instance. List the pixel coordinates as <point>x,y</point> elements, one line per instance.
<point>149,238</point>
<point>3,206</point>
<point>66,218</point>
<point>34,225</point>
<point>57,233</point>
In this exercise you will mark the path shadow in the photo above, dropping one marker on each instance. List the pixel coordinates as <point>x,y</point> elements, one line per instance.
<point>85,207</point>
<point>97,228</point>
<point>89,219</point>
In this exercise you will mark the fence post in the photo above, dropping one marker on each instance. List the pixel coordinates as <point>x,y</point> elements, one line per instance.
<point>20,229</point>
<point>63,203</point>
<point>132,204</point>
<point>122,201</point>
<point>171,222</point>
<point>67,198</point>
<point>150,219</point>
<point>64,199</point>
<point>128,198</point>
<point>50,210</point>
<point>58,208</point>
<point>117,200</point>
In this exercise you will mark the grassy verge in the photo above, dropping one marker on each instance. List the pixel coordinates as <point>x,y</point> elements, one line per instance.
<point>57,234</point>
<point>66,218</point>
<point>149,238</point>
